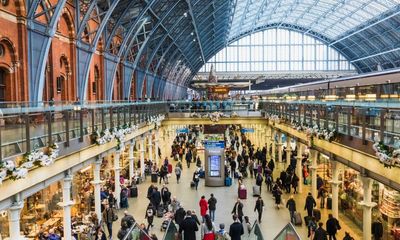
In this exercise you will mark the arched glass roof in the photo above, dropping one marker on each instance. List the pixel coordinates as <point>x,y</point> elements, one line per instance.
<point>331,18</point>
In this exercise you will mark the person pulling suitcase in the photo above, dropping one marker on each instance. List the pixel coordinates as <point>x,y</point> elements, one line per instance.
<point>291,205</point>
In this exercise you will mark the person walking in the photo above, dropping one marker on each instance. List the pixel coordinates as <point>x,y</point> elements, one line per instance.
<point>188,158</point>
<point>238,210</point>
<point>165,196</point>
<point>377,229</point>
<point>99,234</point>
<point>108,218</point>
<point>310,204</point>
<point>207,229</point>
<point>295,182</point>
<point>259,180</point>
<point>178,172</point>
<point>312,227</point>
<point>221,233</point>
<point>259,207</point>
<point>236,229</point>
<point>322,195</point>
<point>150,212</point>
<point>291,205</point>
<point>320,233</point>
<point>188,227</point>
<point>196,178</point>
<point>212,206</point>
<point>203,207</point>
<point>155,198</point>
<point>332,226</point>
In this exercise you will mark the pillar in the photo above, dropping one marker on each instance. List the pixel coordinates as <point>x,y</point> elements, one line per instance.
<point>150,145</point>
<point>131,159</point>
<point>335,188</point>
<point>273,152</point>
<point>367,205</point>
<point>66,205</point>
<point>268,141</point>
<point>288,150</point>
<point>97,186</point>
<point>14,216</point>
<point>142,156</point>
<point>299,166</point>
<point>117,171</point>
<point>313,156</point>
<point>156,142</point>
<point>279,146</point>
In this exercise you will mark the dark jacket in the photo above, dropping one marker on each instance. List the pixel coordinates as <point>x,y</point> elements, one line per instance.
<point>189,228</point>
<point>320,234</point>
<point>291,205</point>
<point>377,229</point>
<point>259,205</point>
<point>239,208</point>
<point>310,203</point>
<point>155,198</point>
<point>108,215</point>
<point>332,225</point>
<point>179,215</point>
<point>212,203</point>
<point>236,231</point>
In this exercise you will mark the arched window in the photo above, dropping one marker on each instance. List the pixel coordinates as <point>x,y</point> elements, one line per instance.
<point>3,75</point>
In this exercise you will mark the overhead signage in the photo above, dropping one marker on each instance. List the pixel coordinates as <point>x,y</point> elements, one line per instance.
<point>247,130</point>
<point>182,130</point>
<point>214,144</point>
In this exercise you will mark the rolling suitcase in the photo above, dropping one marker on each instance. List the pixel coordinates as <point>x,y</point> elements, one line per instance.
<point>317,214</point>
<point>329,203</point>
<point>133,192</point>
<point>160,211</point>
<point>192,184</point>
<point>243,193</point>
<point>307,219</point>
<point>202,174</point>
<point>298,221</point>
<point>228,181</point>
<point>169,168</point>
<point>154,177</point>
<point>256,190</point>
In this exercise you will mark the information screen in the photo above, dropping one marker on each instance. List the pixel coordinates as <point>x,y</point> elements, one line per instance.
<point>214,165</point>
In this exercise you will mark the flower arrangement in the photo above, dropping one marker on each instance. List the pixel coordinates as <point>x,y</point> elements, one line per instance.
<point>107,135</point>
<point>30,159</point>
<point>314,131</point>
<point>195,115</point>
<point>273,118</point>
<point>389,157</point>
<point>215,116</point>
<point>234,114</point>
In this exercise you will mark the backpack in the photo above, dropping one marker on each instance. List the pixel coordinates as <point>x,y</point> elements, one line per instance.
<point>221,235</point>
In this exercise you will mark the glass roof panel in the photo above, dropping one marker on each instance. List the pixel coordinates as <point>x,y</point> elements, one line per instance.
<point>332,18</point>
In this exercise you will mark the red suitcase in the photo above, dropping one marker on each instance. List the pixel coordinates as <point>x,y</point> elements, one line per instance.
<point>242,193</point>
<point>169,168</point>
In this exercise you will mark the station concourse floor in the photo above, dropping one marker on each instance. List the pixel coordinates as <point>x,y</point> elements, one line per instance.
<point>273,220</point>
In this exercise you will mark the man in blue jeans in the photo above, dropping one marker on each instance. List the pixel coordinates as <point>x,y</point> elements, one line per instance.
<point>212,206</point>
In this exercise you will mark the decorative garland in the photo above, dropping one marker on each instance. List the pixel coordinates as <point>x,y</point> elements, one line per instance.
<point>214,117</point>
<point>156,120</point>
<point>314,131</point>
<point>389,157</point>
<point>273,118</point>
<point>30,159</point>
<point>107,135</point>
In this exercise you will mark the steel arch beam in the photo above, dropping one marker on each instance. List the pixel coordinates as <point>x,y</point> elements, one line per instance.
<point>85,52</point>
<point>39,41</point>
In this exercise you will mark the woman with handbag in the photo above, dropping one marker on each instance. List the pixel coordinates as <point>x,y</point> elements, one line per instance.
<point>207,229</point>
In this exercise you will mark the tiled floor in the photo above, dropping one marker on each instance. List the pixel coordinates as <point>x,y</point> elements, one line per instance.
<point>273,219</point>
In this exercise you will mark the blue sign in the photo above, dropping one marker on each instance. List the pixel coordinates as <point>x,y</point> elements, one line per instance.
<point>247,130</point>
<point>182,130</point>
<point>214,144</point>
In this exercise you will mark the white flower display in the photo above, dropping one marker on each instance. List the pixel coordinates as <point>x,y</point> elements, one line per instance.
<point>9,165</point>
<point>20,173</point>
<point>389,159</point>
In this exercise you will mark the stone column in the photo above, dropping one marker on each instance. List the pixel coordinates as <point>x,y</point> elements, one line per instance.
<point>14,216</point>
<point>131,159</point>
<point>268,137</point>
<point>150,145</point>
<point>299,166</point>
<point>367,205</point>
<point>335,188</point>
<point>313,167</point>
<point>156,146</point>
<point>117,171</point>
<point>279,146</point>
<point>66,204</point>
<point>288,151</point>
<point>142,156</point>
<point>97,186</point>
<point>273,150</point>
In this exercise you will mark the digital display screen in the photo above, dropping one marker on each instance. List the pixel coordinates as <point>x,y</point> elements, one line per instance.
<point>214,165</point>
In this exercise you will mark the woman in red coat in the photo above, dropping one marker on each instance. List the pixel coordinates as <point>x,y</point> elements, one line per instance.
<point>203,207</point>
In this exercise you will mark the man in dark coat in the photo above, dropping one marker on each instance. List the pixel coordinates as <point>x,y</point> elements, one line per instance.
<point>320,233</point>
<point>179,215</point>
<point>259,207</point>
<point>291,205</point>
<point>271,165</point>
<point>236,229</point>
<point>310,204</point>
<point>377,229</point>
<point>189,227</point>
<point>155,198</point>
<point>212,206</point>
<point>332,226</point>
<point>238,210</point>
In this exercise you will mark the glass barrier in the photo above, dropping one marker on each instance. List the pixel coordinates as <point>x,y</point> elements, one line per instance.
<point>136,232</point>
<point>170,230</point>
<point>288,232</point>
<point>255,232</point>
